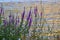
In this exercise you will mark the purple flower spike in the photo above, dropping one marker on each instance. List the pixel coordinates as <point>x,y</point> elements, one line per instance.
<point>23,13</point>
<point>30,21</point>
<point>4,22</point>
<point>41,14</point>
<point>35,11</point>
<point>11,19</point>
<point>10,15</point>
<point>29,15</point>
<point>3,12</point>
<point>17,21</point>
<point>0,10</point>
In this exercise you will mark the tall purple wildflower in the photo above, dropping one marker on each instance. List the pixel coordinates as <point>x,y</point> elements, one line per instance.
<point>16,23</point>
<point>11,18</point>
<point>5,22</point>
<point>35,11</point>
<point>41,17</point>
<point>41,14</point>
<point>17,20</point>
<point>23,14</point>
<point>3,12</point>
<point>30,21</point>
<point>21,23</point>
<point>0,10</point>
<point>29,15</point>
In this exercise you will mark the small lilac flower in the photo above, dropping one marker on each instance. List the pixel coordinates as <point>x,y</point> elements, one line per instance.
<point>29,15</point>
<point>23,13</point>
<point>35,11</point>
